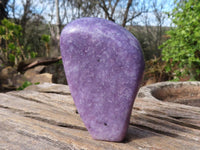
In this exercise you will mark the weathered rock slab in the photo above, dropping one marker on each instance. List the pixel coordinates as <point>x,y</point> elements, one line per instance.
<point>44,117</point>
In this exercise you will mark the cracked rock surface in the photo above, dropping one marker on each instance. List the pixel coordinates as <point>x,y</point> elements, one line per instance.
<point>44,117</point>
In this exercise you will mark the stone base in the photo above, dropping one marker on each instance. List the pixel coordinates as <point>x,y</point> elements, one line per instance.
<point>44,117</point>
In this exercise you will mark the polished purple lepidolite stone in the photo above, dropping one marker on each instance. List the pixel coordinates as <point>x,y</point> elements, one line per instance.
<point>103,64</point>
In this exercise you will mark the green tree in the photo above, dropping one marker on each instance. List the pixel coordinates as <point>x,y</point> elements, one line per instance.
<point>11,47</point>
<point>182,50</point>
<point>46,38</point>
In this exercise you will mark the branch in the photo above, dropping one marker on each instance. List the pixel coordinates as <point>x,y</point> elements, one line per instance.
<point>134,16</point>
<point>126,12</point>
<point>106,10</point>
<point>113,8</point>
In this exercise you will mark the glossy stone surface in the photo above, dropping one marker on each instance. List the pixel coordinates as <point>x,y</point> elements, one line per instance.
<point>103,64</point>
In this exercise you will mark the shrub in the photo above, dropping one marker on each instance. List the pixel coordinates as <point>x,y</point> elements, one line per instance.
<point>11,49</point>
<point>182,51</point>
<point>46,38</point>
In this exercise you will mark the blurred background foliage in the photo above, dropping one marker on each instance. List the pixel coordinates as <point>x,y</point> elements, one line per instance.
<point>167,30</point>
<point>182,51</point>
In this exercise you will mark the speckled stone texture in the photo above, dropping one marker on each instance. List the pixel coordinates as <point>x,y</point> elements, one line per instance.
<point>103,64</point>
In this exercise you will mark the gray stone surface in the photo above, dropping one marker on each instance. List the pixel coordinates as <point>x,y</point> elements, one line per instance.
<point>44,117</point>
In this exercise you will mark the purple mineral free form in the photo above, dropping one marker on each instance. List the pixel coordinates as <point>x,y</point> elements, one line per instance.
<point>103,64</point>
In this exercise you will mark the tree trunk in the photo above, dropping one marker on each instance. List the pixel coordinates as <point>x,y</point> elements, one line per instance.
<point>58,24</point>
<point>3,10</point>
<point>126,12</point>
